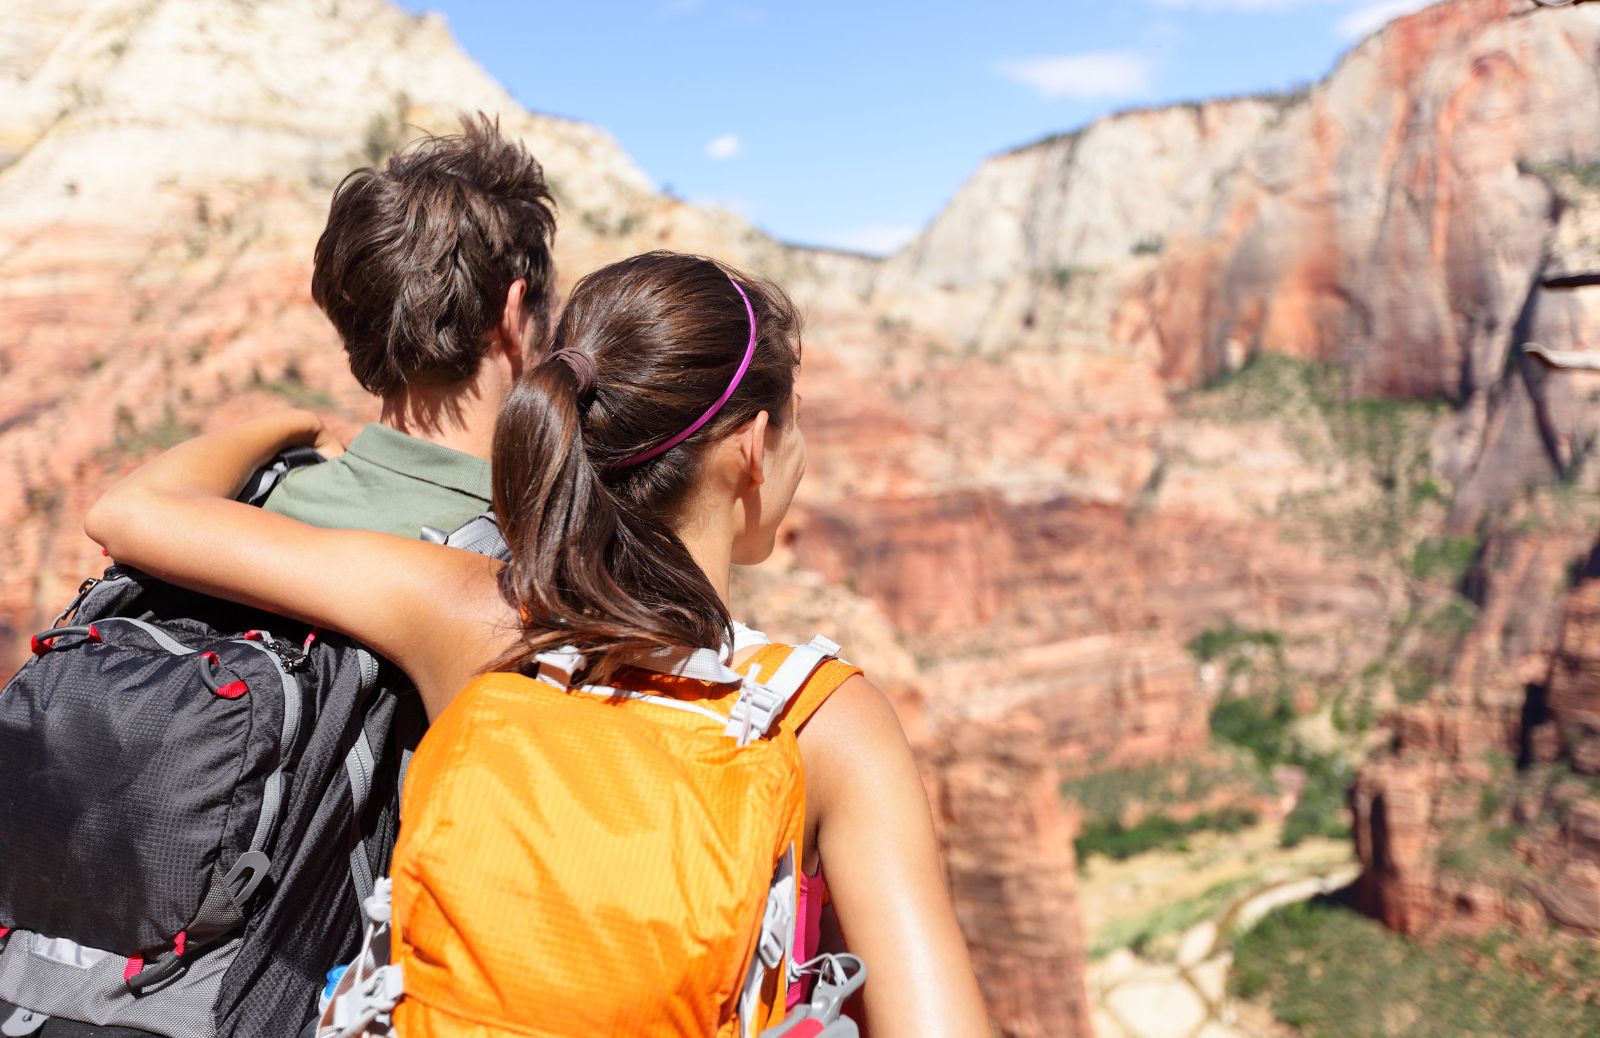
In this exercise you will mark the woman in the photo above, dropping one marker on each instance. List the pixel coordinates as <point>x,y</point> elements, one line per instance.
<point>656,447</point>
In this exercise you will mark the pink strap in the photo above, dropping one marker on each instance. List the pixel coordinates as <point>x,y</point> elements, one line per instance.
<point>807,932</point>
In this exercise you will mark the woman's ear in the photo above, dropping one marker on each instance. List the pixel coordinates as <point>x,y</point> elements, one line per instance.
<point>753,448</point>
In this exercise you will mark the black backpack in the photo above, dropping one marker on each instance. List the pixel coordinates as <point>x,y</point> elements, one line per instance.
<point>194,800</point>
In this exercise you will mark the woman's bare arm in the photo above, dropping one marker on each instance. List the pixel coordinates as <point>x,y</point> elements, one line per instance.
<point>433,611</point>
<point>875,838</point>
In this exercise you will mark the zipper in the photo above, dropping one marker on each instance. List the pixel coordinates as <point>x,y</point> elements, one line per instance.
<point>77,600</point>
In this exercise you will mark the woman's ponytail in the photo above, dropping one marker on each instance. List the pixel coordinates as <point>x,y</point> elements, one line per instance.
<point>642,347</point>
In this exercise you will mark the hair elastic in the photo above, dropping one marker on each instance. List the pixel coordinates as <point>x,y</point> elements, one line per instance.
<point>582,366</point>
<point>738,376</point>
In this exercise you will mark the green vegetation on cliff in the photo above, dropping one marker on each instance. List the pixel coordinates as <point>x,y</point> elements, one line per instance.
<point>1332,973</point>
<point>1128,811</point>
<point>1157,831</point>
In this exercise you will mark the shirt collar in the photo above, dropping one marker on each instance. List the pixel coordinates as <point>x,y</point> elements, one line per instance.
<point>409,456</point>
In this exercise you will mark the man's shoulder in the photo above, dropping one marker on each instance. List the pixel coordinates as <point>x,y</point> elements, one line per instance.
<point>387,482</point>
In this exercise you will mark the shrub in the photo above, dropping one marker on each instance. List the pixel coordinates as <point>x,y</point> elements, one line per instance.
<point>1214,642</point>
<point>1259,724</point>
<point>1330,972</point>
<point>1119,842</point>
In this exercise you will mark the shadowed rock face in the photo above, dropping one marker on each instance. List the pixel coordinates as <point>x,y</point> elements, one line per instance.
<point>1478,814</point>
<point>1573,691</point>
<point>1076,614</point>
<point>1008,850</point>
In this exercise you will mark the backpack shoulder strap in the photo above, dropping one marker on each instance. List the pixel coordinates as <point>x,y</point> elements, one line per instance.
<point>480,535</point>
<point>265,479</point>
<point>825,680</point>
<point>800,677</point>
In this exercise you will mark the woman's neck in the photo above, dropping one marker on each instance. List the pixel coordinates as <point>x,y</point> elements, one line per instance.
<point>712,550</point>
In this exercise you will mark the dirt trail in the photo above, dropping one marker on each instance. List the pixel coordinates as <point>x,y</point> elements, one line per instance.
<point>1138,997</point>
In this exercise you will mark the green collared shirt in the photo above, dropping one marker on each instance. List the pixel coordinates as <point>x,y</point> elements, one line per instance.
<point>387,482</point>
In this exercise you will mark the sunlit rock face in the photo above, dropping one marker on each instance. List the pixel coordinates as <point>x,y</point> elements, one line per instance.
<point>1396,218</point>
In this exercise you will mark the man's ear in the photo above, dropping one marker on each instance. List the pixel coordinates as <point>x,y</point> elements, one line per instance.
<point>753,448</point>
<point>515,330</point>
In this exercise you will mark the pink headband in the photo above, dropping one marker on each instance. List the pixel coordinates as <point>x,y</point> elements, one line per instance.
<point>738,376</point>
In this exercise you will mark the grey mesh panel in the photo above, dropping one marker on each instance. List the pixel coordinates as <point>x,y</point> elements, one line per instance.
<point>219,913</point>
<point>96,994</point>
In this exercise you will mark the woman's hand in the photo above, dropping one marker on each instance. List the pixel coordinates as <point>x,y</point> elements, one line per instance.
<point>328,444</point>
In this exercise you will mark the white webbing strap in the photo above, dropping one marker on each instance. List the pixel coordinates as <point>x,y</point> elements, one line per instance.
<point>774,945</point>
<point>696,664</point>
<point>744,637</point>
<point>759,703</point>
<point>371,985</point>
<point>557,666</point>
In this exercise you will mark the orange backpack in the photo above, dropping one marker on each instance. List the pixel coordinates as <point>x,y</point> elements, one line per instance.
<point>589,861</point>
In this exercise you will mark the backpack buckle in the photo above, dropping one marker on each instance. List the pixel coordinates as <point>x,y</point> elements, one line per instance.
<point>775,927</point>
<point>370,1001</point>
<point>753,712</point>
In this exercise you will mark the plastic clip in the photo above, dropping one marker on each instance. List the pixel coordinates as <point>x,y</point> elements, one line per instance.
<point>370,1001</point>
<point>753,712</point>
<point>558,666</point>
<point>838,977</point>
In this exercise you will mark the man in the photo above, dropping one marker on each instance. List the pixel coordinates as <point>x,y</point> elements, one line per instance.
<point>436,271</point>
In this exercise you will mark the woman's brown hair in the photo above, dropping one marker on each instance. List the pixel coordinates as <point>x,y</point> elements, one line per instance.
<point>642,349</point>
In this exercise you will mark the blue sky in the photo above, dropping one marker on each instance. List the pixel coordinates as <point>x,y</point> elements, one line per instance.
<point>852,123</point>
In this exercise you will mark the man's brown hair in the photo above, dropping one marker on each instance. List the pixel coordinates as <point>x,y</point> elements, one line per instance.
<point>414,264</point>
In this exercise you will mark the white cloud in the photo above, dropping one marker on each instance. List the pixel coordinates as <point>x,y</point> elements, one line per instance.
<point>1111,73</point>
<point>1368,17</point>
<point>726,146</point>
<point>878,239</point>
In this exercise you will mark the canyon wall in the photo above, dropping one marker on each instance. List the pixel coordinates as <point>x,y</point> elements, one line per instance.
<point>1407,227</point>
<point>1042,463</point>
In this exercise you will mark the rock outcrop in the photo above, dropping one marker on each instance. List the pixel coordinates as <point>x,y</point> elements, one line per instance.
<point>1478,813</point>
<point>1008,851</point>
